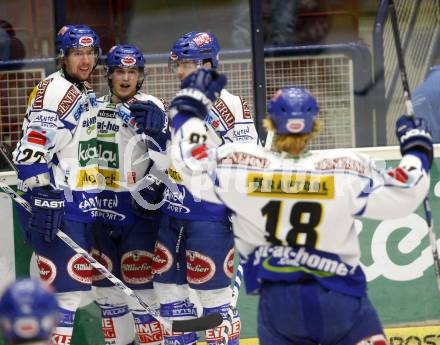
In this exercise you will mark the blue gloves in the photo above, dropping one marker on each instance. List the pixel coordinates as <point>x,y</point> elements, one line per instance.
<point>153,122</point>
<point>197,93</point>
<point>149,117</point>
<point>47,212</point>
<point>414,137</point>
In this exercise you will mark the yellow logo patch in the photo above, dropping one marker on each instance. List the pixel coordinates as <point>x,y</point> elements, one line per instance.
<point>94,177</point>
<point>174,174</point>
<point>300,186</point>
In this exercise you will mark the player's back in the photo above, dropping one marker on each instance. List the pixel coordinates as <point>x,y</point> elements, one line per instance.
<point>306,201</point>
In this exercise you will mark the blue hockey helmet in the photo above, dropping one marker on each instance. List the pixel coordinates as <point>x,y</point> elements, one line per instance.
<point>125,56</point>
<point>28,311</point>
<point>76,36</point>
<point>293,110</point>
<point>196,46</point>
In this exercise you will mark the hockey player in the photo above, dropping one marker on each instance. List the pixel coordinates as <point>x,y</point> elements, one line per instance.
<point>28,313</point>
<point>294,212</point>
<point>57,170</point>
<point>195,243</point>
<point>124,238</point>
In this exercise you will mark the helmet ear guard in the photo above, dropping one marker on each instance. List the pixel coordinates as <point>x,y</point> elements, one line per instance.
<point>293,110</point>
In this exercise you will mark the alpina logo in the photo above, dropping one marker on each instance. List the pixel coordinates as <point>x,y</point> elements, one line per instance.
<point>47,269</point>
<point>128,61</point>
<point>79,269</point>
<point>85,41</point>
<point>199,268</point>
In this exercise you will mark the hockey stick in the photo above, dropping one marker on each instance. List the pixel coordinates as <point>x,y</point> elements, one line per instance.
<point>5,153</point>
<point>198,324</point>
<point>410,111</point>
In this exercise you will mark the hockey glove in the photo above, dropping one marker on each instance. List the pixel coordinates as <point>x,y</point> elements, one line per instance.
<point>197,93</point>
<point>47,212</point>
<point>414,137</point>
<point>151,120</point>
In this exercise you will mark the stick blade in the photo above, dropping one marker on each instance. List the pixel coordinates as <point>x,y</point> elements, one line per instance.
<point>200,324</point>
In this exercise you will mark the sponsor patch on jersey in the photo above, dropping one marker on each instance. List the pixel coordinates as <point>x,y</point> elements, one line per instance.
<point>291,185</point>
<point>246,112</point>
<point>295,125</point>
<point>162,259</point>
<point>45,120</point>
<point>101,152</point>
<point>107,127</point>
<point>104,260</point>
<point>136,267</point>
<point>225,113</point>
<point>149,331</point>
<point>67,102</point>
<point>61,339</point>
<point>38,94</point>
<point>202,39</point>
<point>108,330</point>
<point>199,268</point>
<point>79,269</point>
<point>344,163</point>
<point>246,159</point>
<point>38,138</point>
<point>106,113</point>
<point>128,61</point>
<point>228,264</point>
<point>98,177</point>
<point>86,41</point>
<point>47,269</point>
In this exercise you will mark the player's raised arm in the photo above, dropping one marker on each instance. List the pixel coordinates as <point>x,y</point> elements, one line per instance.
<point>407,185</point>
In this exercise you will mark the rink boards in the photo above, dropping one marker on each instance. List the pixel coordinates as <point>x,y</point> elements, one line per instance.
<point>395,255</point>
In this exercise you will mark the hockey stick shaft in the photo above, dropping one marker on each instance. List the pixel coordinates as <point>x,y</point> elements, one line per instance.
<point>4,152</point>
<point>410,112</point>
<point>237,284</point>
<point>199,324</point>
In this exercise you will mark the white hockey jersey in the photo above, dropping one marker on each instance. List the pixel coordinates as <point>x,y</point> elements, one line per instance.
<point>122,160</point>
<point>60,139</point>
<point>295,218</point>
<point>229,120</point>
